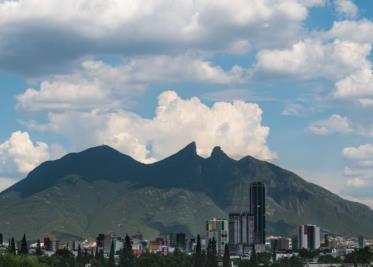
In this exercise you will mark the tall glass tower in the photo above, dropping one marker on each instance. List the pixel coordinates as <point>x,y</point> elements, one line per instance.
<point>257,209</point>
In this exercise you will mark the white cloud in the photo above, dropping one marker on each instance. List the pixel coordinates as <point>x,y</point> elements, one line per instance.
<point>359,170</point>
<point>20,155</point>
<point>359,31</point>
<point>346,8</point>
<point>97,84</point>
<point>64,31</point>
<point>344,62</point>
<point>236,127</point>
<point>334,124</point>
<point>366,102</point>
<point>313,58</point>
<point>363,152</point>
<point>293,109</point>
<point>357,85</point>
<point>356,182</point>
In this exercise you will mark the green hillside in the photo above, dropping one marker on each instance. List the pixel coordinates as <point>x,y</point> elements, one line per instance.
<point>102,190</point>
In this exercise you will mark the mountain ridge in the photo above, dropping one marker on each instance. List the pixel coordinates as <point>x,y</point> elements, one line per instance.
<point>219,183</point>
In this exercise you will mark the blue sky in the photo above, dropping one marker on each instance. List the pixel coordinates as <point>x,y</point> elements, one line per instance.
<point>286,81</point>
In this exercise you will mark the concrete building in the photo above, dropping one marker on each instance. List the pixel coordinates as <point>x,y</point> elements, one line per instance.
<point>280,244</point>
<point>308,237</point>
<point>241,232</point>
<point>361,243</point>
<point>218,229</point>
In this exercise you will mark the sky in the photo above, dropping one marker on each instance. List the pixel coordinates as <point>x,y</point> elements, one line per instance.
<point>287,81</point>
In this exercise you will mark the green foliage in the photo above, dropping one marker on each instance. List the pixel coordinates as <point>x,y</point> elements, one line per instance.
<point>226,257</point>
<point>127,259</point>
<point>362,256</point>
<point>38,248</point>
<point>198,253</point>
<point>329,259</point>
<point>24,247</point>
<point>157,260</point>
<point>263,259</point>
<point>111,261</point>
<point>211,260</point>
<point>12,247</point>
<point>9,260</point>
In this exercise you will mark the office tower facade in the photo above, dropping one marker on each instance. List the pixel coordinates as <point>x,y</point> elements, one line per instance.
<point>181,241</point>
<point>257,209</point>
<point>218,229</point>
<point>361,242</point>
<point>241,229</point>
<point>308,237</point>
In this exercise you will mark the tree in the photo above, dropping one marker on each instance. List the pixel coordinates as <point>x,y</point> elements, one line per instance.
<point>211,254</point>
<point>198,253</point>
<point>253,258</point>
<point>79,258</point>
<point>38,248</point>
<point>127,259</point>
<point>96,253</point>
<point>12,246</point>
<point>111,262</point>
<point>24,247</point>
<point>226,257</point>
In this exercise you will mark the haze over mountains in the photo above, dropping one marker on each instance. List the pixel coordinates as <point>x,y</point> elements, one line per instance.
<point>101,190</point>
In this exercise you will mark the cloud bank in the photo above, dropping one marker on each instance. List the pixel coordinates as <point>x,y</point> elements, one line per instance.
<point>236,127</point>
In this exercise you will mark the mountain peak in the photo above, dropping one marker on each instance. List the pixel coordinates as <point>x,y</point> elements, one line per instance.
<point>217,152</point>
<point>189,149</point>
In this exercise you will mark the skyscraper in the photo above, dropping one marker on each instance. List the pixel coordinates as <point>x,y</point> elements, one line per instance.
<point>308,236</point>
<point>257,209</point>
<point>361,243</point>
<point>241,231</point>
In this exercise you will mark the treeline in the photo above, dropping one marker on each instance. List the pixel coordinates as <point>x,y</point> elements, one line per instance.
<point>126,258</point>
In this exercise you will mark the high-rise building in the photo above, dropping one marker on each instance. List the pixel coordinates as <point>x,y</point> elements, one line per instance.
<point>241,232</point>
<point>171,240</point>
<point>181,241</point>
<point>218,229</point>
<point>361,242</point>
<point>1,239</point>
<point>308,236</point>
<point>257,209</point>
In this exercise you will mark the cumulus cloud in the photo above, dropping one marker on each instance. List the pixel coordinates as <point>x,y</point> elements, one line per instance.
<point>359,171</point>
<point>97,84</point>
<point>346,8</point>
<point>54,33</point>
<point>359,31</point>
<point>357,85</point>
<point>236,127</point>
<point>313,58</point>
<point>363,153</point>
<point>334,124</point>
<point>19,154</point>
<point>344,62</point>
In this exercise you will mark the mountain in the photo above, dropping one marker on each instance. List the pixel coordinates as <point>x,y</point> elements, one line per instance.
<point>102,190</point>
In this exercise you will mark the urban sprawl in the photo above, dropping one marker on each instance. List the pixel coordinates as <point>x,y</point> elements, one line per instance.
<point>239,240</point>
